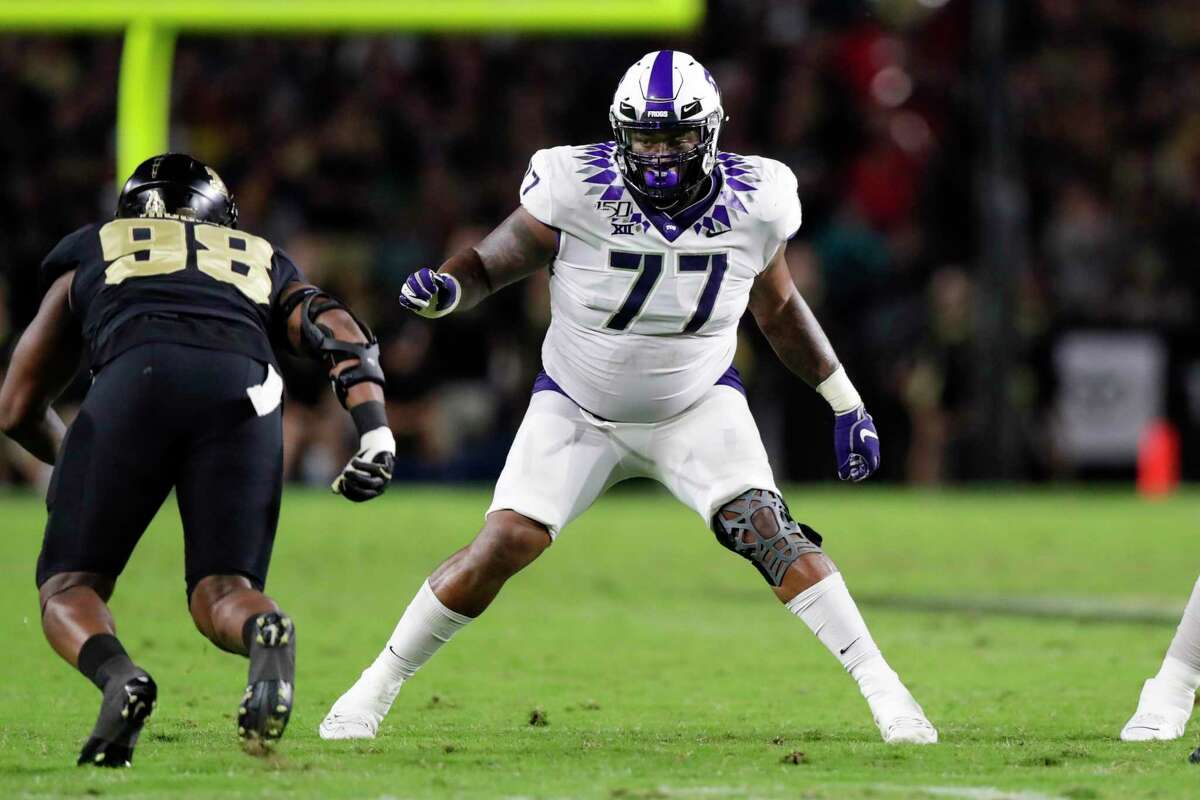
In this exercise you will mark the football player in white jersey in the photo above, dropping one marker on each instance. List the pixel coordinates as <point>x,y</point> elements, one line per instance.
<point>657,242</point>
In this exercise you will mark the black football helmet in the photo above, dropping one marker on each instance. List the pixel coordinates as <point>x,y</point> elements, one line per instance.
<point>177,185</point>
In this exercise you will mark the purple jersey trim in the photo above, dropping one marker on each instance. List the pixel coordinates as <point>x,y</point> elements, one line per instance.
<point>672,227</point>
<point>544,383</point>
<point>731,378</point>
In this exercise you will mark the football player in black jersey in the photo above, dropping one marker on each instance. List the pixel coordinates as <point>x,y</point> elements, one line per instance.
<point>177,310</point>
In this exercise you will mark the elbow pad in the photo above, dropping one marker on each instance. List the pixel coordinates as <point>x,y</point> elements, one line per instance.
<point>319,341</point>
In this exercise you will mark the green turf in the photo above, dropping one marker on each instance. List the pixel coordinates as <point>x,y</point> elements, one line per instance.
<point>661,663</point>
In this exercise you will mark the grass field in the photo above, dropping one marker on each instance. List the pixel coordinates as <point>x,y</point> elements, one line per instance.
<point>1023,621</point>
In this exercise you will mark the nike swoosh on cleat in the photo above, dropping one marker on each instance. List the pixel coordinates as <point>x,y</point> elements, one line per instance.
<point>863,435</point>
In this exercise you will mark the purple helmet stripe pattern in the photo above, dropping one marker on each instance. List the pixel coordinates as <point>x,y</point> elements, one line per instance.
<point>662,76</point>
<point>660,89</point>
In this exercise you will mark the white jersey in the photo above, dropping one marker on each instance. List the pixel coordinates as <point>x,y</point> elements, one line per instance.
<point>645,307</point>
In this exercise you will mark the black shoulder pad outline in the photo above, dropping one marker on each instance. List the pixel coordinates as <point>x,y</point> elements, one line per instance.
<point>319,341</point>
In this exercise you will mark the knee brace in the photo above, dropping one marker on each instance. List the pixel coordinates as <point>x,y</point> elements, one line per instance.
<point>758,527</point>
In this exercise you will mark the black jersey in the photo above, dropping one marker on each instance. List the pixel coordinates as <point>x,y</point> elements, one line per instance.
<point>143,280</point>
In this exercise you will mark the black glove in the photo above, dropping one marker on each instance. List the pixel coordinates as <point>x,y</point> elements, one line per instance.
<point>370,471</point>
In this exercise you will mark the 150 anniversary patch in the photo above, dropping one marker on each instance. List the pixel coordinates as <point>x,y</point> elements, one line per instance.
<point>622,216</point>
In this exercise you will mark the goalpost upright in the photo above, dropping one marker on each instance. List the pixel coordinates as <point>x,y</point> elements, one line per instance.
<point>151,26</point>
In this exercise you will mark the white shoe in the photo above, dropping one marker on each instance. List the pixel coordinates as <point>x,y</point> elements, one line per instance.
<point>909,730</point>
<point>901,720</point>
<point>349,725</point>
<point>358,713</point>
<point>1162,713</point>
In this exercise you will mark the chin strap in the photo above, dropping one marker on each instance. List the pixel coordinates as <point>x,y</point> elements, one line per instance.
<point>319,341</point>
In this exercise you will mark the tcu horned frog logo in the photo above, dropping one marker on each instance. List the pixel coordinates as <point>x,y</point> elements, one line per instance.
<point>622,216</point>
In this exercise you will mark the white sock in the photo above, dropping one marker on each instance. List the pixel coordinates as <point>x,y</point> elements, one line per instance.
<point>829,611</point>
<point>425,627</point>
<point>1185,647</point>
<point>1176,684</point>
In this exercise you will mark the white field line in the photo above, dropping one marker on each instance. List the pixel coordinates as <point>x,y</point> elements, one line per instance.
<point>1090,609</point>
<point>742,793</point>
<point>969,792</point>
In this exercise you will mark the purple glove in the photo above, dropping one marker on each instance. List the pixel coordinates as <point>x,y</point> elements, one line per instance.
<point>430,294</point>
<point>856,444</point>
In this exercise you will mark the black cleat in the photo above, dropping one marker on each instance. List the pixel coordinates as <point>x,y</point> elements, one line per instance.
<point>1195,756</point>
<point>123,712</point>
<point>267,704</point>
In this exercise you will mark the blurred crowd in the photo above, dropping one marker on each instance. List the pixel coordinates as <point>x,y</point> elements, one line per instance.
<point>367,157</point>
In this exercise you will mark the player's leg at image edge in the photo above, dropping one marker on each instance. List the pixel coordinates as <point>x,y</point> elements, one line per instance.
<point>469,580</point>
<point>1166,702</point>
<point>240,619</point>
<point>757,526</point>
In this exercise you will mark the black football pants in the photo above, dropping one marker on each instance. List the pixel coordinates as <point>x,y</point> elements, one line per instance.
<point>162,416</point>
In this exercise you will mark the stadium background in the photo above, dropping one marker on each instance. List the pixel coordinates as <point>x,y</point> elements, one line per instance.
<point>999,198</point>
<point>971,205</point>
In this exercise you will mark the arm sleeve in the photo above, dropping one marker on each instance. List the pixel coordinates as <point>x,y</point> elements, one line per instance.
<point>71,251</point>
<point>783,216</point>
<point>536,193</point>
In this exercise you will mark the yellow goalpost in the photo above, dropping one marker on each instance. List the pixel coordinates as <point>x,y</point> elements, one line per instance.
<point>150,28</point>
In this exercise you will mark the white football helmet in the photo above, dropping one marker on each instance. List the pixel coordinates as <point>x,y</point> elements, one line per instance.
<point>666,92</point>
